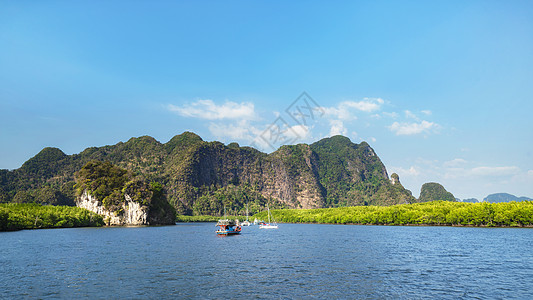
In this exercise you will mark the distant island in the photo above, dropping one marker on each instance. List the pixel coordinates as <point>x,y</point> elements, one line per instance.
<point>497,198</point>
<point>504,197</point>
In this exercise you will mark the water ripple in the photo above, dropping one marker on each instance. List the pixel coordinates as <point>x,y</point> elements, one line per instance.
<point>295,261</point>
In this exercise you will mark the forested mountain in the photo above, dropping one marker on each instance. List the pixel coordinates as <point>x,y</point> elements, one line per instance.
<point>202,177</point>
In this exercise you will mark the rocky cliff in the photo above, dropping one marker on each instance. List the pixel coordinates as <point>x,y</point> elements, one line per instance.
<point>129,213</point>
<point>120,198</point>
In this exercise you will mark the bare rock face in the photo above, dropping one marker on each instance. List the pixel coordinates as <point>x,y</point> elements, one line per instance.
<point>395,179</point>
<point>131,213</point>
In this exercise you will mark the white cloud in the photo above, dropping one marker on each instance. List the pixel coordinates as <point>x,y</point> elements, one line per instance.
<point>410,115</point>
<point>339,113</point>
<point>366,105</point>
<point>427,112</point>
<point>495,171</point>
<point>337,127</point>
<point>298,132</point>
<point>393,115</point>
<point>233,131</point>
<point>412,171</point>
<point>346,109</point>
<point>454,163</point>
<point>405,128</point>
<point>209,110</point>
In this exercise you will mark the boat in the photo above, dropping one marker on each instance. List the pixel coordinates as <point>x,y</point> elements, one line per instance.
<point>228,227</point>
<point>268,225</point>
<point>246,223</point>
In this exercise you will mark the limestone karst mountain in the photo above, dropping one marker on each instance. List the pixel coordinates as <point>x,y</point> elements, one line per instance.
<point>202,177</point>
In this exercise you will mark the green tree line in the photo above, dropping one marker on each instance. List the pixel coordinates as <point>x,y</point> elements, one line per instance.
<point>14,216</point>
<point>514,214</point>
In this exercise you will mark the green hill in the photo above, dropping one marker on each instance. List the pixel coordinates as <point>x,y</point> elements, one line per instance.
<point>433,191</point>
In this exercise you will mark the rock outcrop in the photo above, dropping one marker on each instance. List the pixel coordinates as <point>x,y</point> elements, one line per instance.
<point>129,213</point>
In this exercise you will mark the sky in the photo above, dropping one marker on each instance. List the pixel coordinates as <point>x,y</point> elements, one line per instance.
<point>441,90</point>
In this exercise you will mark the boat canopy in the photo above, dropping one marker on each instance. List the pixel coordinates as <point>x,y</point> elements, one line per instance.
<point>226,222</point>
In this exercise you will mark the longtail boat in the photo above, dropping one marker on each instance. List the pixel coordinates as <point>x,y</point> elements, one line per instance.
<point>228,227</point>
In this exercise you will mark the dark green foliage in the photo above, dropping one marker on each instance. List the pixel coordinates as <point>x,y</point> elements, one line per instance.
<point>22,197</point>
<point>234,199</point>
<point>516,214</point>
<point>113,185</point>
<point>48,161</point>
<point>433,191</point>
<point>104,181</point>
<point>49,195</point>
<point>353,174</point>
<point>32,216</point>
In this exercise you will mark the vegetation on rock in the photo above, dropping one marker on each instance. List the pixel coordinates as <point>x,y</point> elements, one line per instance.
<point>110,185</point>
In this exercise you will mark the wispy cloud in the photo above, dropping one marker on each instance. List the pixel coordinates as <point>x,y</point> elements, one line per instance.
<point>393,115</point>
<point>412,171</point>
<point>410,115</point>
<point>298,132</point>
<point>346,110</point>
<point>366,105</point>
<point>454,163</point>
<point>406,128</point>
<point>337,127</point>
<point>209,110</point>
<point>238,131</point>
<point>495,171</point>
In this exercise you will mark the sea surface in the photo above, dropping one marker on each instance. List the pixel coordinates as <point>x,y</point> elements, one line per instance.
<point>296,261</point>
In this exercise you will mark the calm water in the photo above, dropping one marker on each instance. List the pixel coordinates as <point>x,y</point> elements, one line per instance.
<point>295,261</point>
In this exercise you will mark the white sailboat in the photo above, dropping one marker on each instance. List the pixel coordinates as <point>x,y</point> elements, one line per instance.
<point>246,223</point>
<point>269,225</point>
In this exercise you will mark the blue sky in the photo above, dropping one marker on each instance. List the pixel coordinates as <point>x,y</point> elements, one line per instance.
<point>442,90</point>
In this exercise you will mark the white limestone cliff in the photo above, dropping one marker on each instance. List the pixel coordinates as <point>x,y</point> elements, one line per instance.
<point>133,213</point>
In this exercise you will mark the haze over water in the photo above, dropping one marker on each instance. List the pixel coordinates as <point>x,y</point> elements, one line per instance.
<point>295,261</point>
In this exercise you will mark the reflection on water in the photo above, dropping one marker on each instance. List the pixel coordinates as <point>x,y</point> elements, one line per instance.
<point>295,261</point>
